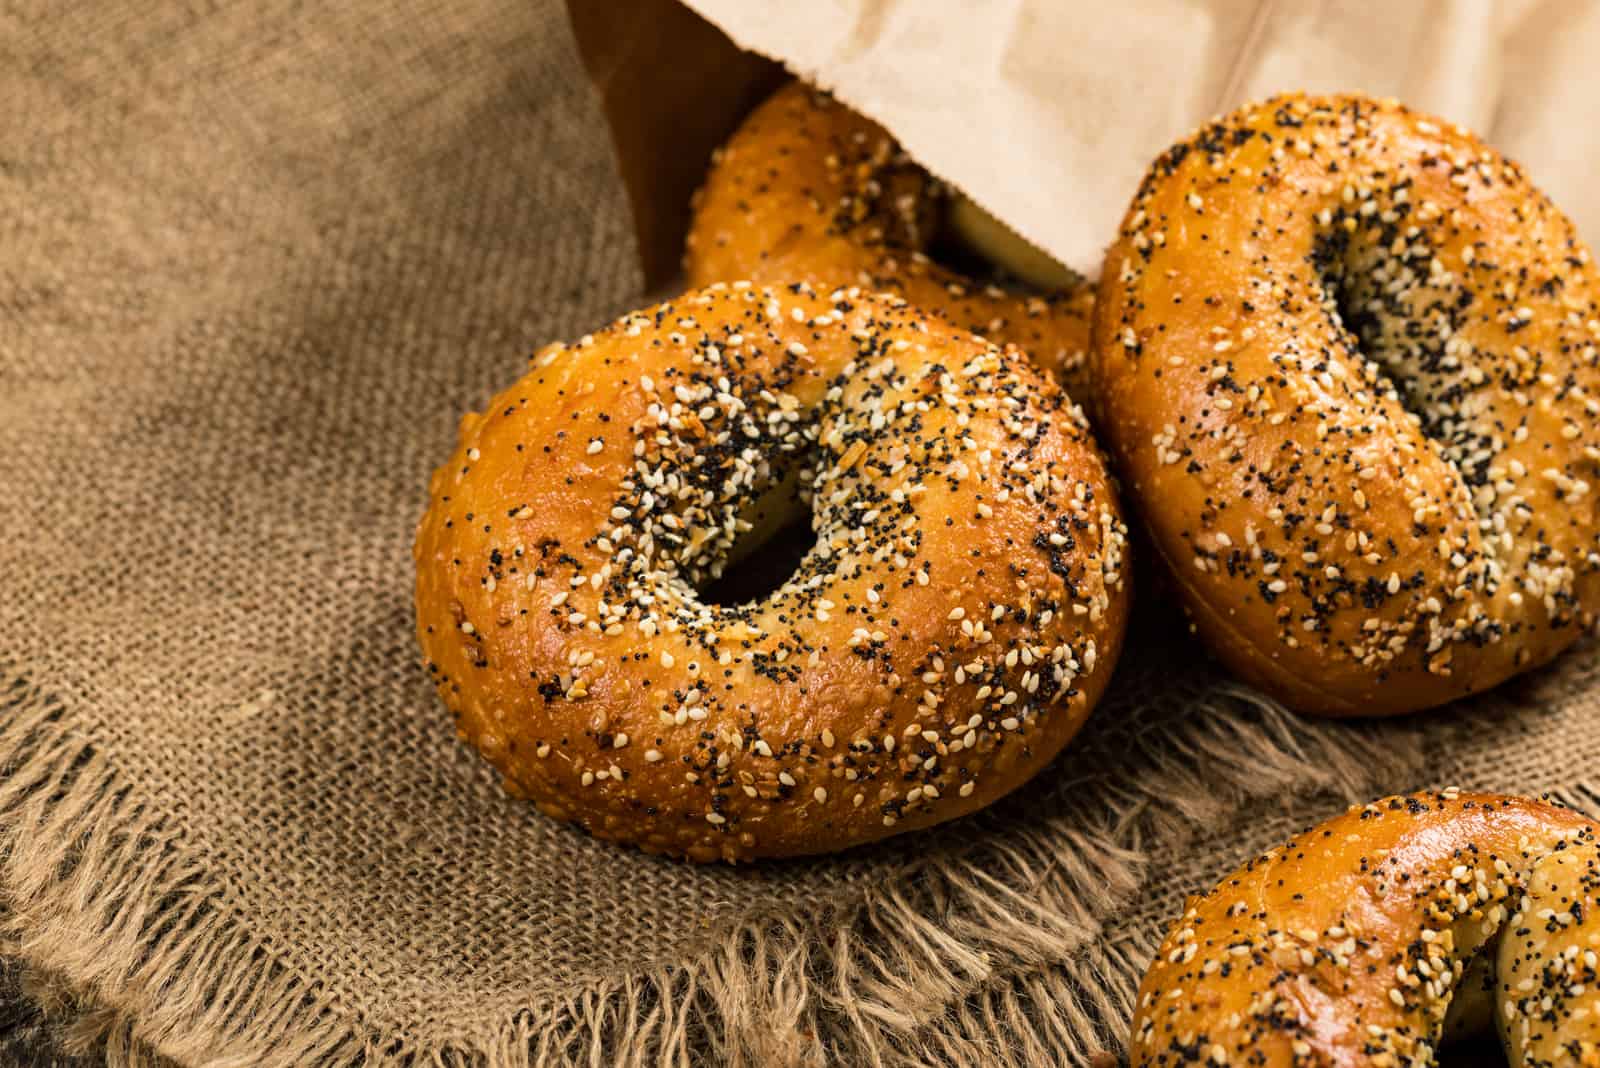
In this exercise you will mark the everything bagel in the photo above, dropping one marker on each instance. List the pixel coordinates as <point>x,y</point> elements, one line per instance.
<point>808,189</point>
<point>1345,356</point>
<point>1347,944</point>
<point>947,634</point>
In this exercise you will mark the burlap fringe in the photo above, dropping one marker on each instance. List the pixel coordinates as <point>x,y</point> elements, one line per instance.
<point>98,893</point>
<point>990,957</point>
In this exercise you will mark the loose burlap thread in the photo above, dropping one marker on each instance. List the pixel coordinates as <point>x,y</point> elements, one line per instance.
<point>258,259</point>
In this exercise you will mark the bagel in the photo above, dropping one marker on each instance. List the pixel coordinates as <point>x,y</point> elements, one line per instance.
<point>808,189</point>
<point>1345,359</point>
<point>947,634</point>
<point>1347,944</point>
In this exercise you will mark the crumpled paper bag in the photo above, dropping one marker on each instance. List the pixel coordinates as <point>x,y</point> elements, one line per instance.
<point>1047,112</point>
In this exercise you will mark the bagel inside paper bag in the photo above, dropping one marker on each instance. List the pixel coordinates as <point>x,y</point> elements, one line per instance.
<point>1048,113</point>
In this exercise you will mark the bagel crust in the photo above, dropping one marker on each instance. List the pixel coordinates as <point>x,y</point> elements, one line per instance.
<point>945,637</point>
<point>1346,945</point>
<point>807,189</point>
<point>1345,358</point>
<point>1547,967</point>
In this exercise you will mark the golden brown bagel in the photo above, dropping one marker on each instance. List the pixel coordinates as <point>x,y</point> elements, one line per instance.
<point>948,633</point>
<point>1345,356</point>
<point>1345,946</point>
<point>808,189</point>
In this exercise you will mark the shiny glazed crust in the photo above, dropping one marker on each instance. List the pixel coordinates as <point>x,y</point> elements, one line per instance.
<point>1345,945</point>
<point>948,634</point>
<point>1345,358</point>
<point>1547,981</point>
<point>807,189</point>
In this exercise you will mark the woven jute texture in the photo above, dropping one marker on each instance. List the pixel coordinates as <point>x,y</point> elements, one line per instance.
<point>257,259</point>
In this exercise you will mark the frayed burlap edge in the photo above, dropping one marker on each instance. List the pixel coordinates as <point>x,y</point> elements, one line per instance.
<point>985,957</point>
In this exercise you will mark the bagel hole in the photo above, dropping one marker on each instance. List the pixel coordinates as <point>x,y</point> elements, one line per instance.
<point>1351,300</point>
<point>949,249</point>
<point>760,567</point>
<point>957,243</point>
<point>1477,1052</point>
<point>1398,329</point>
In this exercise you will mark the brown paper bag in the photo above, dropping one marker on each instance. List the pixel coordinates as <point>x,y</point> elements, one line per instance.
<point>673,88</point>
<point>1047,114</point>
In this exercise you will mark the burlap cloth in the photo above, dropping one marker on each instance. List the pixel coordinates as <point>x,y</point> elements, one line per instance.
<point>257,258</point>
